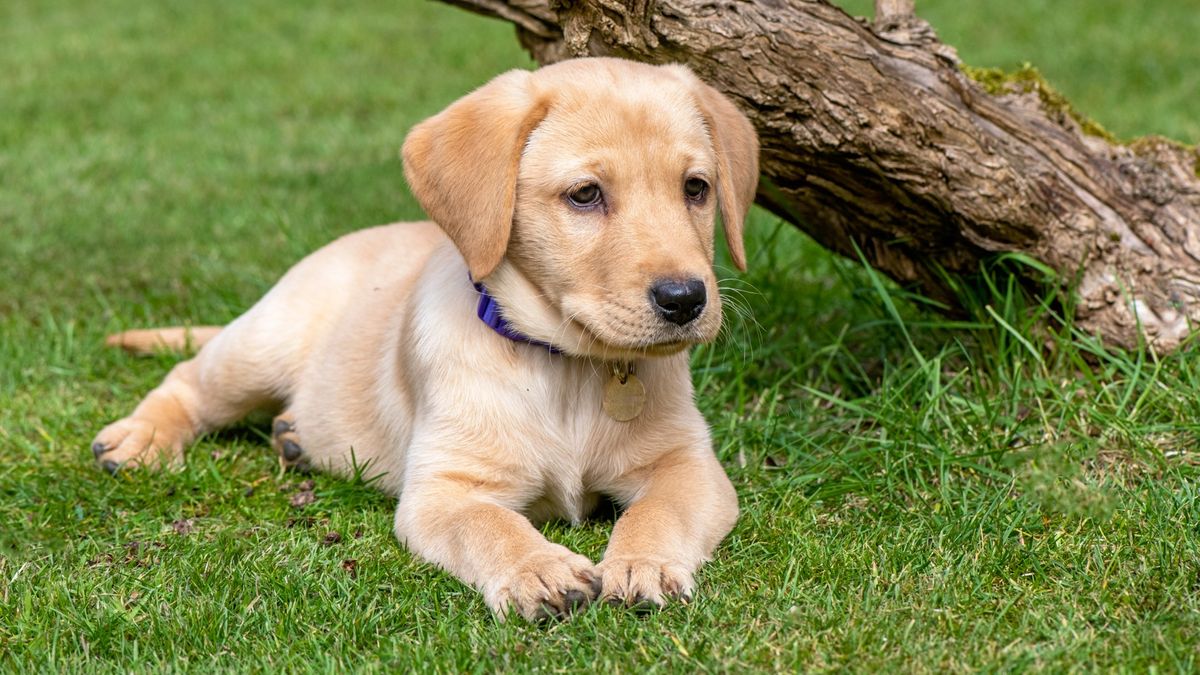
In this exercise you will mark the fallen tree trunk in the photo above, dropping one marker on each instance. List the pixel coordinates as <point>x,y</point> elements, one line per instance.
<point>876,139</point>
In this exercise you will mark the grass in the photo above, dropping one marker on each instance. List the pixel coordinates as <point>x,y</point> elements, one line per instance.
<point>918,494</point>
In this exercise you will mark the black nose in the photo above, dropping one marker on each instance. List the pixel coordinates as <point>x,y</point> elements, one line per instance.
<point>678,301</point>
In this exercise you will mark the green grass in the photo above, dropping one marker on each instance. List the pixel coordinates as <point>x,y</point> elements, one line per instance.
<point>917,494</point>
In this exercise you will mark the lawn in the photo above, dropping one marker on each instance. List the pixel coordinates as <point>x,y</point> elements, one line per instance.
<point>917,494</point>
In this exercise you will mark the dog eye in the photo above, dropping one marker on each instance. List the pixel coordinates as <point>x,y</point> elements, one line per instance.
<point>585,196</point>
<point>695,189</point>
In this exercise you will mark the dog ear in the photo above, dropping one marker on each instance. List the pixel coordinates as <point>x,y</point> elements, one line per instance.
<point>736,146</point>
<point>462,165</point>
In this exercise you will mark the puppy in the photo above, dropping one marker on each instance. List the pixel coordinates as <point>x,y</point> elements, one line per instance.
<point>518,357</point>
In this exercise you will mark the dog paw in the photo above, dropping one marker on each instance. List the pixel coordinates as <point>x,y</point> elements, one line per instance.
<point>643,582</point>
<point>551,583</point>
<point>133,442</point>
<point>286,441</point>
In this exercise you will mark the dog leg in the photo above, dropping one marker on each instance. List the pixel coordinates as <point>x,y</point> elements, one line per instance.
<point>686,506</point>
<point>157,431</point>
<point>223,383</point>
<point>465,530</point>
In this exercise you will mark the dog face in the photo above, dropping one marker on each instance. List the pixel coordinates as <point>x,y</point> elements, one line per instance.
<point>586,194</point>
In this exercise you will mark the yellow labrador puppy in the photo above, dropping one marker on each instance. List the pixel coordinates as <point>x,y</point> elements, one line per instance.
<point>519,356</point>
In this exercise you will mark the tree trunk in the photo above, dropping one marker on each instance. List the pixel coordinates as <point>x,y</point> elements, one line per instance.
<point>874,139</point>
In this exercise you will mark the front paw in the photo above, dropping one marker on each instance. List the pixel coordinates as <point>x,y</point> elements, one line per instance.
<point>551,583</point>
<point>643,582</point>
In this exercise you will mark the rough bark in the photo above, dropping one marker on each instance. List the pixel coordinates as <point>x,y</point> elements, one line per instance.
<point>874,140</point>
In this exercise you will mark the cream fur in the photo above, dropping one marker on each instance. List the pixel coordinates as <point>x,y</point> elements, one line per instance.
<point>372,348</point>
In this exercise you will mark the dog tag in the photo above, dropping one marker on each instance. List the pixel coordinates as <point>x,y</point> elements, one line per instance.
<point>624,395</point>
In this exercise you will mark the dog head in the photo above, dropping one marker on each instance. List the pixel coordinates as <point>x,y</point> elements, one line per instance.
<point>585,195</point>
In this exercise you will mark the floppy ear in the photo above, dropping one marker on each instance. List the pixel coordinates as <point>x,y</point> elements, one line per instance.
<point>462,165</point>
<point>736,145</point>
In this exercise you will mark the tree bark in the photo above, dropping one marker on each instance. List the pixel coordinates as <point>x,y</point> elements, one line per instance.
<point>875,140</point>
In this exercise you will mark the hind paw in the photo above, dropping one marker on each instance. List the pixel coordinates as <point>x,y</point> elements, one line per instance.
<point>133,442</point>
<point>286,442</point>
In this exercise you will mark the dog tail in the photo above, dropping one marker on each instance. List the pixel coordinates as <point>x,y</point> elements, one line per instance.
<point>186,339</point>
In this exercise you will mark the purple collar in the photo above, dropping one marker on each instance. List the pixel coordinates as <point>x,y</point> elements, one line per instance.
<point>489,313</point>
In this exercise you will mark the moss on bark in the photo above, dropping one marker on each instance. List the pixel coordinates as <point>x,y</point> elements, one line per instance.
<point>1028,79</point>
